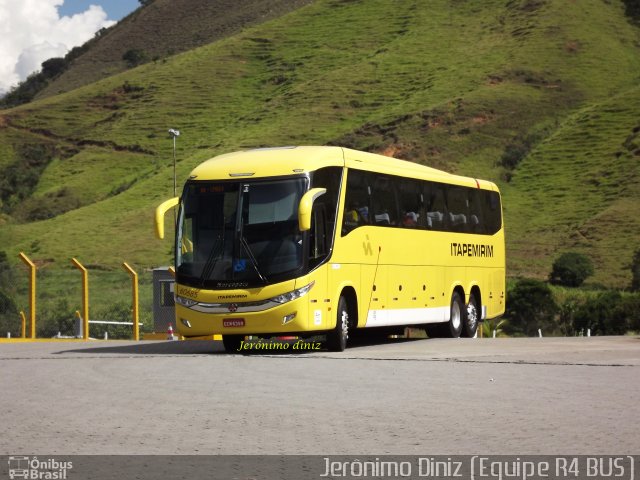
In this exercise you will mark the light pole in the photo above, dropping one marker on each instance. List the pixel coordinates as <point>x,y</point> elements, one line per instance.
<point>174,133</point>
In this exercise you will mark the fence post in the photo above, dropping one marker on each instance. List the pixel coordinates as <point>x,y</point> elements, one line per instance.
<point>32,293</point>
<point>23,321</point>
<point>134,288</point>
<point>85,298</point>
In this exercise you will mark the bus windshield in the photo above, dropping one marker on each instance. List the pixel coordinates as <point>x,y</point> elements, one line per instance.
<point>239,234</point>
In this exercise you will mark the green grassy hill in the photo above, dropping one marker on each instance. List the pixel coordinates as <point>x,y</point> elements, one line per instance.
<point>540,96</point>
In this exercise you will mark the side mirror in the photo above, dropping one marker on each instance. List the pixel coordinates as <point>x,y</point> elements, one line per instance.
<point>306,204</point>
<point>162,209</point>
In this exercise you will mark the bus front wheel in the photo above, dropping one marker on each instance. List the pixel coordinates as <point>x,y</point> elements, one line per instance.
<point>337,338</point>
<point>453,328</point>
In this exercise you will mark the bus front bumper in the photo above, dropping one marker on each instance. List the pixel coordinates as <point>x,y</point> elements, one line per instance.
<point>285,318</point>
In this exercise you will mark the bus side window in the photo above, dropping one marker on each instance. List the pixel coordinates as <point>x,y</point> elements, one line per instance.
<point>476,223</point>
<point>318,249</point>
<point>491,211</point>
<point>383,201</point>
<point>457,206</point>
<point>329,178</point>
<point>410,199</point>
<point>435,206</point>
<point>356,211</point>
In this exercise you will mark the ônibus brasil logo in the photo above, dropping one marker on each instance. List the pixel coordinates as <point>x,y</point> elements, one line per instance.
<point>33,468</point>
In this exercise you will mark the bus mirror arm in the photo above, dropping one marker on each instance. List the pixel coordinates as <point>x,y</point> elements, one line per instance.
<point>162,209</point>
<point>306,204</point>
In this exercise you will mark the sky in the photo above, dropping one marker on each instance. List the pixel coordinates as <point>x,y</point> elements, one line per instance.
<point>32,31</point>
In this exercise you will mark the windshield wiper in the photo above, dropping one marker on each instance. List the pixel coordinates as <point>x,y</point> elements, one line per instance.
<point>254,262</point>
<point>240,239</point>
<point>212,259</point>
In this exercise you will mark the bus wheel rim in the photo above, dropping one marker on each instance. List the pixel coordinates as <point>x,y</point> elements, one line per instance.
<point>455,315</point>
<point>345,324</point>
<point>472,316</point>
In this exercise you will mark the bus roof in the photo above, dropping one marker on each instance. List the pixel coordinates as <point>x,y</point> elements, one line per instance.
<point>281,161</point>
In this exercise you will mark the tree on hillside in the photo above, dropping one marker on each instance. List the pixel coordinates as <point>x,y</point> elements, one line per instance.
<point>53,67</point>
<point>571,269</point>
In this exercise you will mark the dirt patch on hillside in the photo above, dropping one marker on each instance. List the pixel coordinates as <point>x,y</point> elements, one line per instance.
<point>165,28</point>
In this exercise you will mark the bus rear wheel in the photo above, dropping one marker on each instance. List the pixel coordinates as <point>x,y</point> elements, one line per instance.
<point>232,343</point>
<point>337,338</point>
<point>470,324</point>
<point>453,328</point>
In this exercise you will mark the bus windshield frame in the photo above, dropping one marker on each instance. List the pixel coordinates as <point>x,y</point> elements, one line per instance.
<point>240,233</point>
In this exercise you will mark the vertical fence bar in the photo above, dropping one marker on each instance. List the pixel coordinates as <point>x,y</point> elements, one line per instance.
<point>23,322</point>
<point>134,288</point>
<point>32,293</point>
<point>85,298</point>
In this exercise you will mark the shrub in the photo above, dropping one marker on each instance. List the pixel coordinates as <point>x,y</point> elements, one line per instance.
<point>134,57</point>
<point>21,177</point>
<point>116,312</point>
<point>635,272</point>
<point>604,314</point>
<point>571,269</point>
<point>9,318</point>
<point>632,10</point>
<point>530,306</point>
<point>58,318</point>
<point>518,149</point>
<point>630,308</point>
<point>48,206</point>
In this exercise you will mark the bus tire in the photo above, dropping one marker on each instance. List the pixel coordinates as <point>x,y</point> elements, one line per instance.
<point>433,330</point>
<point>337,338</point>
<point>453,328</point>
<point>470,323</point>
<point>232,343</point>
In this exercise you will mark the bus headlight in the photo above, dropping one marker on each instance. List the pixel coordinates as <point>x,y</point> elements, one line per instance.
<point>294,295</point>
<point>185,302</point>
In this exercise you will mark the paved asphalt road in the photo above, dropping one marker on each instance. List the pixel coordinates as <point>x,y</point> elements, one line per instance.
<point>419,397</point>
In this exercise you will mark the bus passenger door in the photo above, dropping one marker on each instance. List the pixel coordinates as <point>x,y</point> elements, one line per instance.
<point>319,297</point>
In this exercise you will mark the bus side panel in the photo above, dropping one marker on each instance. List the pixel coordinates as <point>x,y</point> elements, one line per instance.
<point>453,277</point>
<point>498,287</point>
<point>319,315</point>
<point>370,299</point>
<point>435,296</point>
<point>496,306</point>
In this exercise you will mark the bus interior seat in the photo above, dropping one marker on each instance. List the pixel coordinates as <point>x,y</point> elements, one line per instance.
<point>280,254</point>
<point>383,219</point>
<point>456,219</point>
<point>434,219</point>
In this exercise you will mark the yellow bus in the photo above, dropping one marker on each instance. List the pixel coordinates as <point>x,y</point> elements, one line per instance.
<point>306,241</point>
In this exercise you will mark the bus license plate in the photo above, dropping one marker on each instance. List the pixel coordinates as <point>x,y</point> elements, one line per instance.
<point>233,322</point>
